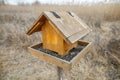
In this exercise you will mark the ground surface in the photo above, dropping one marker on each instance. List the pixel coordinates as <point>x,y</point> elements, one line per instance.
<point>98,64</point>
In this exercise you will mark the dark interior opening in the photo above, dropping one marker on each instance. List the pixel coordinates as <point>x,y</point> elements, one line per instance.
<point>70,14</point>
<point>55,14</point>
<point>71,54</point>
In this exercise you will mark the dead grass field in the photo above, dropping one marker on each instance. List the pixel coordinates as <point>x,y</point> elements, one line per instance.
<point>99,64</point>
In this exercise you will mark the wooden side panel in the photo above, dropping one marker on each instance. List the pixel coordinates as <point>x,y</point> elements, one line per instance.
<point>57,61</point>
<point>80,55</point>
<point>51,59</point>
<point>66,24</point>
<point>69,24</point>
<point>59,32</point>
<point>68,47</point>
<point>51,39</point>
<point>78,35</point>
<point>37,25</point>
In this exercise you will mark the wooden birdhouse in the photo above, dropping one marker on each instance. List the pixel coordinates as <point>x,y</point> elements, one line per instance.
<point>60,31</point>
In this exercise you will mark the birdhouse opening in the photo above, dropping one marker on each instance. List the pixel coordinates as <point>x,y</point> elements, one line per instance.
<point>70,14</point>
<point>55,14</point>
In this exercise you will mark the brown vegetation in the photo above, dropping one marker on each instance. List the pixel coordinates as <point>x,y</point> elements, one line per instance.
<point>98,64</point>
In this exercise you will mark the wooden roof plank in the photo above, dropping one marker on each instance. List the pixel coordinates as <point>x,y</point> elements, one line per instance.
<point>57,22</point>
<point>78,35</point>
<point>36,24</point>
<point>69,25</point>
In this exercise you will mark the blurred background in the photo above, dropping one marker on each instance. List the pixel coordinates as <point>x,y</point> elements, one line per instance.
<point>58,2</point>
<point>102,62</point>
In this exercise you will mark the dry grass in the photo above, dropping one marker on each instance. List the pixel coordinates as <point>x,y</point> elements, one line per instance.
<point>98,64</point>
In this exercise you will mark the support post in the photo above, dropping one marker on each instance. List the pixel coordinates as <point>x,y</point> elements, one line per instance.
<point>59,72</point>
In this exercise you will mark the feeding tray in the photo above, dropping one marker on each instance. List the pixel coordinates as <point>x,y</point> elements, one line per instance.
<point>67,61</point>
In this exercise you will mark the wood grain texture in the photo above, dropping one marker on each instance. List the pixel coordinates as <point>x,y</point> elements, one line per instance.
<point>67,65</point>
<point>60,34</point>
<point>68,47</point>
<point>37,25</point>
<point>78,35</point>
<point>51,39</point>
<point>49,58</point>
<point>69,25</point>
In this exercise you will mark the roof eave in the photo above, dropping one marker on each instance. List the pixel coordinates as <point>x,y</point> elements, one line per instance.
<point>31,30</point>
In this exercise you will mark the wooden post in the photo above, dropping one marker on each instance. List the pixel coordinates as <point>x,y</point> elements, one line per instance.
<point>59,72</point>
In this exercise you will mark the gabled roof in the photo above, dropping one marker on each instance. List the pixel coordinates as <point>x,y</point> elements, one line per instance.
<point>68,24</point>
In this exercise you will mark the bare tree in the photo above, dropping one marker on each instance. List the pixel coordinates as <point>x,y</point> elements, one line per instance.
<point>2,2</point>
<point>36,3</point>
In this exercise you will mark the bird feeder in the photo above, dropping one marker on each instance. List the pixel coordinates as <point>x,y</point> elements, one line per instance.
<point>61,32</point>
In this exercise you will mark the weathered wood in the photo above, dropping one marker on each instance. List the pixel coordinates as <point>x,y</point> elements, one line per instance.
<point>37,25</point>
<point>69,25</point>
<point>51,59</point>
<point>68,46</point>
<point>78,35</point>
<point>57,61</point>
<point>59,72</point>
<point>60,30</point>
<point>77,58</point>
<point>52,40</point>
